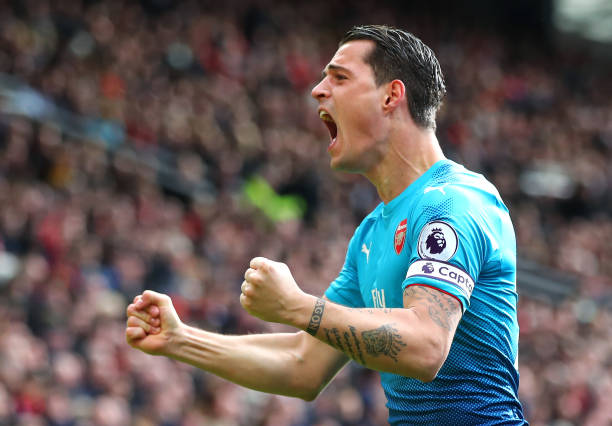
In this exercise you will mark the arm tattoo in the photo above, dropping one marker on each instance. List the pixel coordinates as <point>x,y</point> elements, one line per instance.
<point>357,344</point>
<point>434,314</point>
<point>416,292</point>
<point>442,309</point>
<point>334,339</point>
<point>347,342</point>
<point>338,341</point>
<point>327,336</point>
<point>315,318</point>
<point>383,340</point>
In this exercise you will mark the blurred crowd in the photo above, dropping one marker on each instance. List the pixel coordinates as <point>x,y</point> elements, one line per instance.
<point>221,94</point>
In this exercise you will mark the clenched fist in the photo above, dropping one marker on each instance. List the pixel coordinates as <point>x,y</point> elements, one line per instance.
<point>269,292</point>
<point>152,323</point>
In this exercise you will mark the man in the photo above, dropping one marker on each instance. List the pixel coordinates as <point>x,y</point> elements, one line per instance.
<point>427,294</point>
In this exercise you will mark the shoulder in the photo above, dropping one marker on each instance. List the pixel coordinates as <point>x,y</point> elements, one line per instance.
<point>456,207</point>
<point>465,218</point>
<point>455,190</point>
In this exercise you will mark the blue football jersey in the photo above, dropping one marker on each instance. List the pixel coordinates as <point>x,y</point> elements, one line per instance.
<point>451,231</point>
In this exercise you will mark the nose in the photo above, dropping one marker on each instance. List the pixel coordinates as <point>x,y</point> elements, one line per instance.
<point>320,91</point>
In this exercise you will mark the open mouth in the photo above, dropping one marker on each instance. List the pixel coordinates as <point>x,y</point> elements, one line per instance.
<point>330,123</point>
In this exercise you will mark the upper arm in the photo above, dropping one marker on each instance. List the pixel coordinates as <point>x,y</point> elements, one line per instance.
<point>438,312</point>
<point>450,242</point>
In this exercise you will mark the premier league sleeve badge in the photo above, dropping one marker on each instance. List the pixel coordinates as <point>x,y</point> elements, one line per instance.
<point>437,240</point>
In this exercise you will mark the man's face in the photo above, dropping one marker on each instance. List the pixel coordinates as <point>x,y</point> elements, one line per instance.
<point>351,105</point>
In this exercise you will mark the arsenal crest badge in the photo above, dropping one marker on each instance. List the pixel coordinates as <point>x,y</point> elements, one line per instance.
<point>400,236</point>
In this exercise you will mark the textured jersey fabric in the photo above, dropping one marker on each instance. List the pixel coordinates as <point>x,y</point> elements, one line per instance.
<point>451,231</point>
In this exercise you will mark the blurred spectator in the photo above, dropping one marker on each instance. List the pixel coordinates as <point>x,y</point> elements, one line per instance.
<point>220,96</point>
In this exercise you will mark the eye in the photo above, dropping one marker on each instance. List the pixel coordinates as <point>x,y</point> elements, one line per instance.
<point>340,77</point>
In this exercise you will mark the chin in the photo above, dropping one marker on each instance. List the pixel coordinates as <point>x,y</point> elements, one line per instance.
<point>334,165</point>
<point>338,165</point>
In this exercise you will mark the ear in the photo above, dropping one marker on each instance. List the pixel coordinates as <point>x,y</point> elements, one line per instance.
<point>394,95</point>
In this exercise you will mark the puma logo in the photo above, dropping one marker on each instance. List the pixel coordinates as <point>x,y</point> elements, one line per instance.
<point>435,188</point>
<point>365,249</point>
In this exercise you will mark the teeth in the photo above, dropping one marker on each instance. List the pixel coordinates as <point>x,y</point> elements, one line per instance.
<point>325,116</point>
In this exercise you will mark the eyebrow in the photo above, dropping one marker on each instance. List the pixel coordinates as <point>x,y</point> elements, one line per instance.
<point>334,67</point>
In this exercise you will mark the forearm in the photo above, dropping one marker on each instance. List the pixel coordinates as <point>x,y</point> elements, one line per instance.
<point>392,340</point>
<point>412,341</point>
<point>265,362</point>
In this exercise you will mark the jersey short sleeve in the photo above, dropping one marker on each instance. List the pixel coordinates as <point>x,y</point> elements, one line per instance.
<point>447,245</point>
<point>344,290</point>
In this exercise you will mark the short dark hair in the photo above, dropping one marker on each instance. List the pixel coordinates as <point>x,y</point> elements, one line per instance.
<point>400,55</point>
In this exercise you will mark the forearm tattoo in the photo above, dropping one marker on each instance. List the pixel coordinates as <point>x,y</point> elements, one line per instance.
<point>335,340</point>
<point>347,342</point>
<point>383,340</point>
<point>316,317</point>
<point>357,344</point>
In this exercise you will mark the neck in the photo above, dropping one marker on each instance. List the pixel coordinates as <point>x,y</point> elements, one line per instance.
<point>409,155</point>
